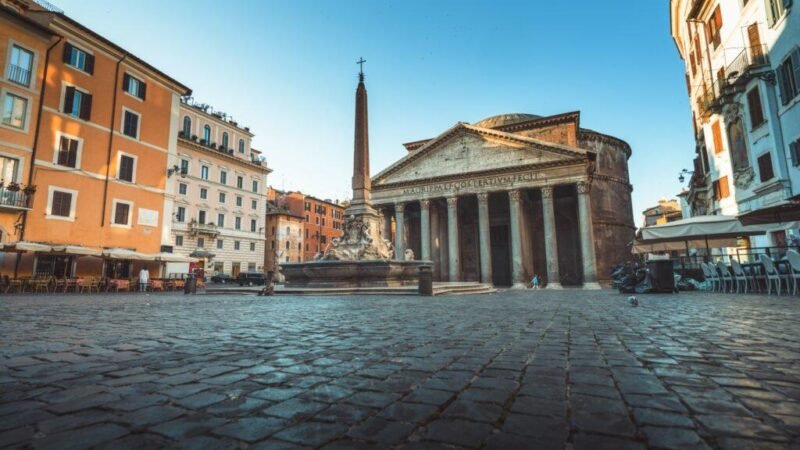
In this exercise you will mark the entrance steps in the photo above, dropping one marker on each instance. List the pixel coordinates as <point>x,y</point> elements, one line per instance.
<point>460,288</point>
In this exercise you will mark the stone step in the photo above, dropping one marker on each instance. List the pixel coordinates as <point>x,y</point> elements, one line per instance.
<point>460,288</point>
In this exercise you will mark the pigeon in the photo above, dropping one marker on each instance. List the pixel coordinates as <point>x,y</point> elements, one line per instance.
<point>634,301</point>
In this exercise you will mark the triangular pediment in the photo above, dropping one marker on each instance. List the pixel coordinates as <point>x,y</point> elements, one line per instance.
<point>467,149</point>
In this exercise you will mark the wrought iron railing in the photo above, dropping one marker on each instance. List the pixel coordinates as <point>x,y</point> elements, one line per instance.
<point>745,61</point>
<point>15,198</point>
<point>19,75</point>
<point>203,228</point>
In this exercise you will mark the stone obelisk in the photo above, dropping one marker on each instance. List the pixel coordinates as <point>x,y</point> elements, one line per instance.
<point>362,184</point>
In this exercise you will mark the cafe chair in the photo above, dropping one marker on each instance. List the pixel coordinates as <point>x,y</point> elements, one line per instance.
<point>794,267</point>
<point>711,276</point>
<point>772,274</point>
<point>725,276</point>
<point>739,277</point>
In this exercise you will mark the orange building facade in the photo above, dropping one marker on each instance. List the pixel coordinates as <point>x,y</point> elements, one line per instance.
<point>322,219</point>
<point>96,147</point>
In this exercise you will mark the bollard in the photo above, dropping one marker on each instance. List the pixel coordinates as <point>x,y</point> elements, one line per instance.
<point>190,286</point>
<point>426,280</point>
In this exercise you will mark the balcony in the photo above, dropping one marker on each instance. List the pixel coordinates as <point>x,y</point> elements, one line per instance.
<point>15,199</point>
<point>19,75</point>
<point>743,66</point>
<point>203,228</point>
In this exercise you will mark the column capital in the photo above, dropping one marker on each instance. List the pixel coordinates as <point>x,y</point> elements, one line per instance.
<point>483,198</point>
<point>424,204</point>
<point>584,187</point>
<point>399,207</point>
<point>452,202</point>
<point>547,192</point>
<point>514,195</point>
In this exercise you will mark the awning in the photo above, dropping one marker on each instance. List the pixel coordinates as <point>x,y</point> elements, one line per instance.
<point>23,246</point>
<point>699,227</point>
<point>77,250</point>
<point>201,254</point>
<point>785,211</point>
<point>640,246</point>
<point>172,257</point>
<point>123,253</point>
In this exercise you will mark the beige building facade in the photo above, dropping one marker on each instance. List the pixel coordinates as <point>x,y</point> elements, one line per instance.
<point>218,187</point>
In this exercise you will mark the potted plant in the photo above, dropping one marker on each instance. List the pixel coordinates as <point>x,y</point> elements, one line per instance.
<point>203,141</point>
<point>13,186</point>
<point>194,137</point>
<point>29,189</point>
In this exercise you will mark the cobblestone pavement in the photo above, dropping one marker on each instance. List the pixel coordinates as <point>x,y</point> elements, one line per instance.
<point>571,369</point>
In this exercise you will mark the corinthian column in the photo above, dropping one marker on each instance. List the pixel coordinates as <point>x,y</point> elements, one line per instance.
<point>386,224</point>
<point>454,263</point>
<point>516,239</point>
<point>425,229</point>
<point>550,239</point>
<point>399,231</point>
<point>587,237</point>
<point>484,237</point>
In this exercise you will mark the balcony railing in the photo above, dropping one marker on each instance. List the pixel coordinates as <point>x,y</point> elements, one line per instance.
<point>203,228</point>
<point>14,199</point>
<point>19,75</point>
<point>748,59</point>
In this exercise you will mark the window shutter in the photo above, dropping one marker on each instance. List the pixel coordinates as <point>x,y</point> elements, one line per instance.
<point>793,153</point>
<point>142,90</point>
<point>126,81</point>
<point>86,107</point>
<point>73,153</point>
<point>795,58</point>
<point>89,64</point>
<point>67,52</point>
<point>69,97</point>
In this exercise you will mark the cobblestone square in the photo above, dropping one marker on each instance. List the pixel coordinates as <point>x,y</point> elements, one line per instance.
<point>516,369</point>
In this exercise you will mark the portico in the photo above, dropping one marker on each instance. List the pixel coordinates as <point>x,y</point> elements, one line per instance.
<point>492,206</point>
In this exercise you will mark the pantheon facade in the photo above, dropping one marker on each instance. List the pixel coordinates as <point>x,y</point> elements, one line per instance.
<point>511,196</point>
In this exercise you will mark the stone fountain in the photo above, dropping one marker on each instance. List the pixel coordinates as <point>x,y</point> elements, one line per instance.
<point>361,257</point>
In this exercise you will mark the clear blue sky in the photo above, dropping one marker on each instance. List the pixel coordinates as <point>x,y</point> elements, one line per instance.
<point>287,69</point>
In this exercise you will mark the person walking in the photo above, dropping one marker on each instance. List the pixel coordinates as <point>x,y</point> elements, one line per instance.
<point>144,277</point>
<point>535,282</point>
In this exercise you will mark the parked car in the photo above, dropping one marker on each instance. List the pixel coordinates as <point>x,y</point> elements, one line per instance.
<point>251,278</point>
<point>222,278</point>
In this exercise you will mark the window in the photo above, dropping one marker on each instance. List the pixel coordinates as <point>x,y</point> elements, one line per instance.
<point>253,204</point>
<point>237,223</point>
<point>794,152</point>
<point>20,66</point>
<point>182,188</point>
<point>253,225</point>
<point>178,241</point>
<point>78,58</point>
<point>201,242</point>
<point>134,86</point>
<point>714,27</point>
<point>776,9</point>
<point>317,219</point>
<point>15,111</point>
<point>717,136</point>
<point>220,244</point>
<point>754,104</point>
<point>240,182</point>
<point>201,217</point>
<point>236,245</point>
<point>308,219</point>
<point>323,221</point>
<point>206,134</point>
<point>238,201</point>
<point>184,166</point>
<point>222,197</point>
<point>765,171</point>
<point>61,203</point>
<point>204,172</point>
<point>255,186</point>
<point>8,169</point>
<point>223,177</point>
<point>77,103</point>
<point>187,127</point>
<point>306,247</point>
<point>127,168</point>
<point>180,216</point>
<point>306,233</point>
<point>721,188</point>
<point>130,123</point>
<point>252,246</point>
<point>122,213</point>
<point>789,77</point>
<point>225,141</point>
<point>241,145</point>
<point>287,245</point>
<point>67,152</point>
<point>203,193</point>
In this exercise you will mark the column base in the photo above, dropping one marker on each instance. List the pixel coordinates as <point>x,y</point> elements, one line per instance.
<point>554,286</point>
<point>519,285</point>
<point>592,286</point>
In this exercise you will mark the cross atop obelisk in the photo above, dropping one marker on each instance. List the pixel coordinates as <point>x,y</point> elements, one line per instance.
<point>362,185</point>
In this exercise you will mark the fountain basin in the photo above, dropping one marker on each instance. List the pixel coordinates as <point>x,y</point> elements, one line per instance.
<point>343,274</point>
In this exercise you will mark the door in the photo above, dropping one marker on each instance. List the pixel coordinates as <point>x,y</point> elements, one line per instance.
<point>756,50</point>
<point>235,270</point>
<point>501,255</point>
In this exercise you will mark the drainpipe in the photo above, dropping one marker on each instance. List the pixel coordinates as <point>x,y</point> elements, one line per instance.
<point>111,139</point>
<point>32,162</point>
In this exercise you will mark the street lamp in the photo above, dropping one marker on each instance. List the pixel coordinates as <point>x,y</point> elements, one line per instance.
<point>683,173</point>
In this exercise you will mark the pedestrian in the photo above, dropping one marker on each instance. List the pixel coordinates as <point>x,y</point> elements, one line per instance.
<point>535,282</point>
<point>144,277</point>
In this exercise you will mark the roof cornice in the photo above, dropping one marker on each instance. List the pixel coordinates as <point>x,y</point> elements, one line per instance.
<point>243,162</point>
